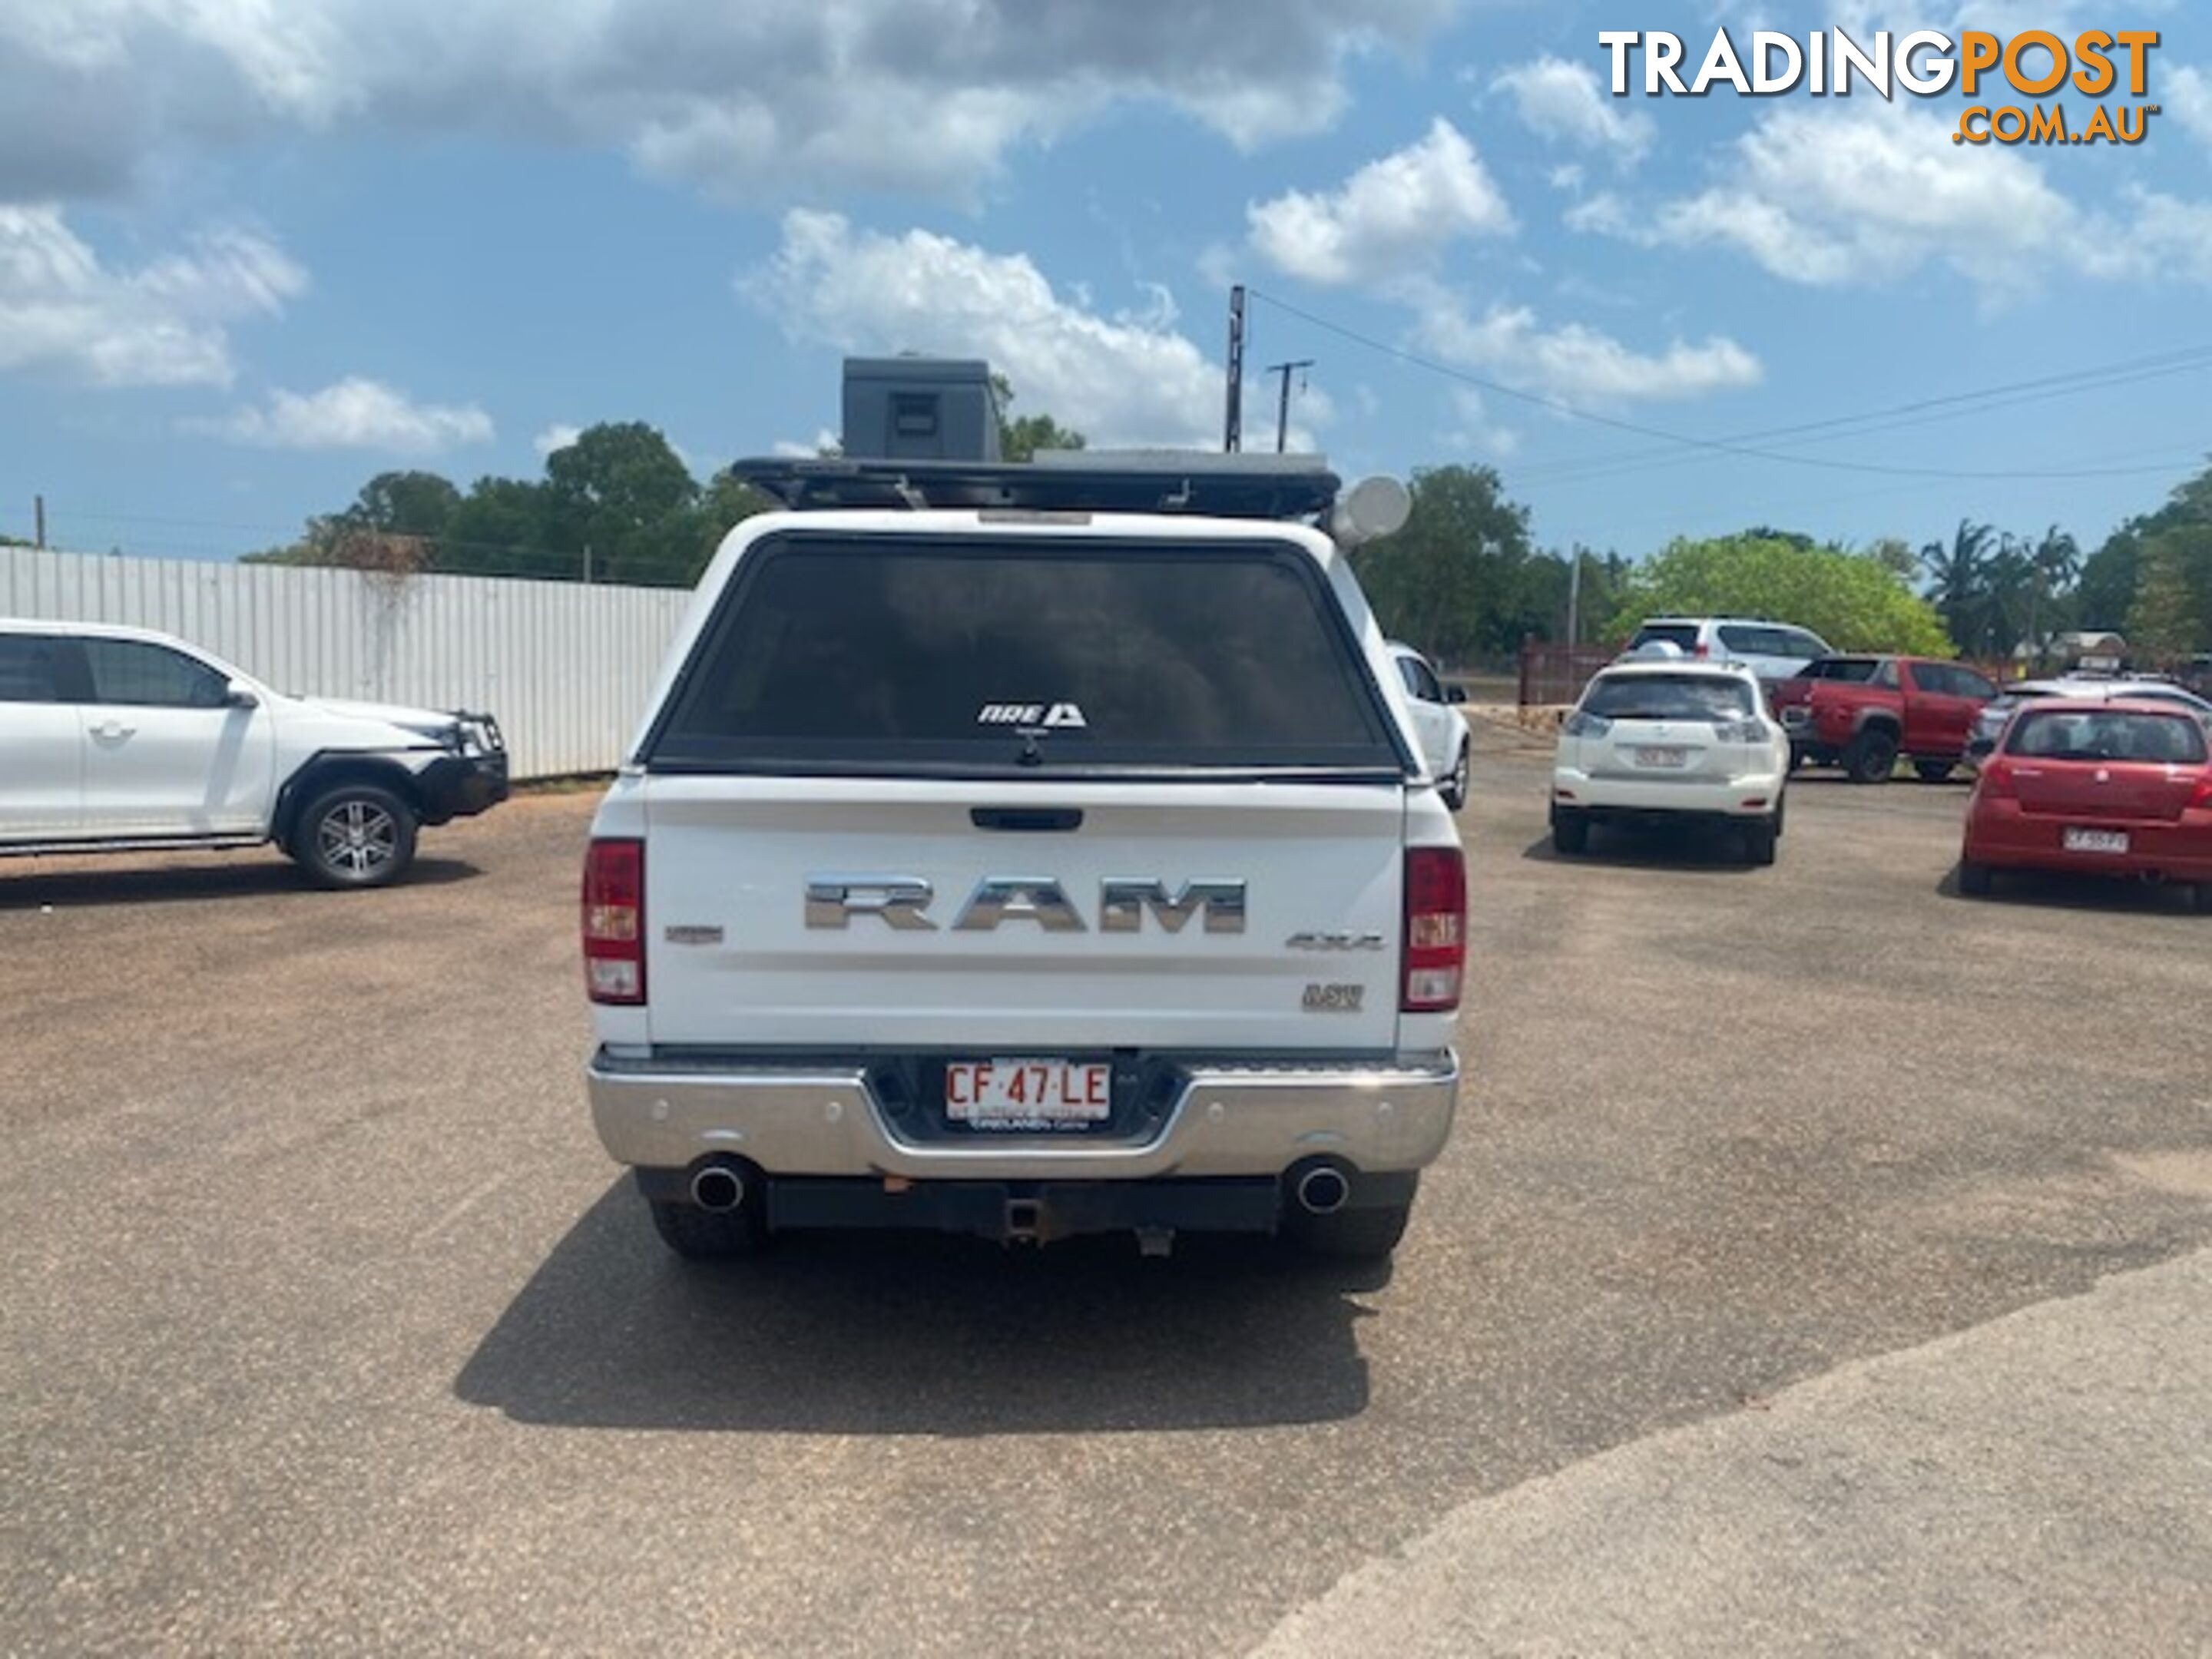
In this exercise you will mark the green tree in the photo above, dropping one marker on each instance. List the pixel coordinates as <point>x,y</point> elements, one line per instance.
<point>1958,579</point>
<point>2107,589</point>
<point>622,500</point>
<point>504,527</point>
<point>1454,581</point>
<point>2165,623</point>
<point>2055,564</point>
<point>1895,554</point>
<point>1850,599</point>
<point>1020,438</point>
<point>406,504</point>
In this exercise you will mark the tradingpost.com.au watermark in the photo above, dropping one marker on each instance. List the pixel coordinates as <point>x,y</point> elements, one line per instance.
<point>2032,65</point>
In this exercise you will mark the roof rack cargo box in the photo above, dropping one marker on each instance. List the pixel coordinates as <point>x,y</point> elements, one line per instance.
<point>922,408</point>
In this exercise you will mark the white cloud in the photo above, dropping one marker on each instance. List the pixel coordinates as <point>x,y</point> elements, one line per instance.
<point>353,414</point>
<point>1394,216</point>
<point>1574,362</point>
<point>65,313</point>
<point>1563,101</point>
<point>1472,431</point>
<point>825,443</point>
<point>1830,198</point>
<point>559,435</point>
<point>1126,378</point>
<point>764,97</point>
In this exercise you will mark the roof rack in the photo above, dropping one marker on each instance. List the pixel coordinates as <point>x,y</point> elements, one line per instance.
<point>1233,486</point>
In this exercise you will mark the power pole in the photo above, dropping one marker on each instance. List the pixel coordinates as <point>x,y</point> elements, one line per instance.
<point>1283,405</point>
<point>1232,430</point>
<point>587,562</point>
<point>1574,600</point>
<point>38,513</point>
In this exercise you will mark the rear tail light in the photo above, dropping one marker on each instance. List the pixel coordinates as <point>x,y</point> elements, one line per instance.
<point>1579,724</point>
<point>2202,795</point>
<point>1436,930</point>
<point>1750,729</point>
<point>614,922</point>
<point>1701,649</point>
<point>1996,782</point>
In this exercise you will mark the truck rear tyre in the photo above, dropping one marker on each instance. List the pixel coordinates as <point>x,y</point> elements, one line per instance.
<point>1361,1234</point>
<point>1871,757</point>
<point>1935,771</point>
<point>1570,831</point>
<point>356,835</point>
<point>1974,879</point>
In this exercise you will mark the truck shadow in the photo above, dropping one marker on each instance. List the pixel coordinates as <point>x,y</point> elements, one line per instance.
<point>898,1334</point>
<point>94,883</point>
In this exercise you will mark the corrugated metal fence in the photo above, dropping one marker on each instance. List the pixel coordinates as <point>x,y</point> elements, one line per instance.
<point>565,667</point>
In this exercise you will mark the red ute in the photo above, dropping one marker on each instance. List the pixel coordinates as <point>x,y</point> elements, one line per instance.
<point>2110,789</point>
<point>1862,713</point>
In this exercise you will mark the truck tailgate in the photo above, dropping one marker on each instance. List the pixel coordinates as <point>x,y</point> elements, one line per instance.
<point>737,958</point>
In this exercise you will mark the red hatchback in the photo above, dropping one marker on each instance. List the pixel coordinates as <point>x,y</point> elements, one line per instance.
<point>2109,789</point>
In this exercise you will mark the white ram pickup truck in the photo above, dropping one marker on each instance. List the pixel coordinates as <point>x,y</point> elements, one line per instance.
<point>1026,871</point>
<point>122,740</point>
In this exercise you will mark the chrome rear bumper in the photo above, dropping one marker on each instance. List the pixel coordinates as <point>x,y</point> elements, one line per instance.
<point>825,1120</point>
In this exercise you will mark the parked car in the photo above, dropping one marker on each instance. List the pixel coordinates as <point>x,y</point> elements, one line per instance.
<point>2113,788</point>
<point>1772,651</point>
<point>1437,721</point>
<point>1861,712</point>
<point>1023,873</point>
<point>1657,742</point>
<point>125,739</point>
<point>1990,724</point>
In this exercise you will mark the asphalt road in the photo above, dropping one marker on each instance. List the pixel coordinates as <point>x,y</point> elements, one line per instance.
<point>324,1325</point>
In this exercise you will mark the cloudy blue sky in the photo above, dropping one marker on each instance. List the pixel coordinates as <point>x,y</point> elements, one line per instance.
<point>253,251</point>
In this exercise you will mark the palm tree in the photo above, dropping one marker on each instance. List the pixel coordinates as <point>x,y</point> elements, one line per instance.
<point>2057,562</point>
<point>2008,598</point>
<point>1958,579</point>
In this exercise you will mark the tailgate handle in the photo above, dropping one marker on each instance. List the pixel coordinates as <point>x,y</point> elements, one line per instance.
<point>1026,820</point>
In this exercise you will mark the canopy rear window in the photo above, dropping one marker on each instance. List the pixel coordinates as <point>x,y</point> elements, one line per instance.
<point>836,652</point>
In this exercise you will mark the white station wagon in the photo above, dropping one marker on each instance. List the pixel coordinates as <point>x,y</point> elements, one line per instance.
<point>1667,740</point>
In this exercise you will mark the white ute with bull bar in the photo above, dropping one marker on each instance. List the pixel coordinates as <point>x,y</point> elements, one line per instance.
<point>1027,851</point>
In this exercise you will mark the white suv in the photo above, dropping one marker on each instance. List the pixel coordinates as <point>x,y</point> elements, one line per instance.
<point>1437,721</point>
<point>1025,855</point>
<point>124,739</point>
<point>1670,741</point>
<point>1772,651</point>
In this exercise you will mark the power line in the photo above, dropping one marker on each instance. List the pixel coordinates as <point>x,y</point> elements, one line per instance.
<point>1922,412</point>
<point>1719,445</point>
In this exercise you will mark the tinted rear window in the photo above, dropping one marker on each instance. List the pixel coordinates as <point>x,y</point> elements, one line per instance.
<point>910,653</point>
<point>26,669</point>
<point>1856,669</point>
<point>1682,634</point>
<point>2107,734</point>
<point>1667,697</point>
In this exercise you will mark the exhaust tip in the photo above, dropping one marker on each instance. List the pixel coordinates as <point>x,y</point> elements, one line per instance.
<point>718,1190</point>
<point>1322,1191</point>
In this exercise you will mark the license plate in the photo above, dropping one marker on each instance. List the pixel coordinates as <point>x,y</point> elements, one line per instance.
<point>1662,757</point>
<point>1019,1094</point>
<point>2095,840</point>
